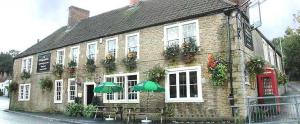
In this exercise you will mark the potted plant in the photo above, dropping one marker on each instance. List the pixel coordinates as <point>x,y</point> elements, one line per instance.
<point>218,70</point>
<point>254,67</point>
<point>156,74</point>
<point>90,66</point>
<point>72,68</point>
<point>189,50</point>
<point>58,70</point>
<point>13,87</point>
<point>46,84</point>
<point>172,52</point>
<point>109,63</point>
<point>25,75</point>
<point>130,61</point>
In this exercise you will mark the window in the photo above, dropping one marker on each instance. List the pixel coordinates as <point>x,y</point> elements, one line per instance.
<point>91,50</point>
<point>132,44</point>
<point>72,90</point>
<point>266,53</point>
<point>184,85</point>
<point>58,91</point>
<point>60,56</point>
<point>126,81</point>
<point>178,33</point>
<point>24,92</point>
<point>272,56</point>
<point>27,64</point>
<point>75,54</point>
<point>112,46</point>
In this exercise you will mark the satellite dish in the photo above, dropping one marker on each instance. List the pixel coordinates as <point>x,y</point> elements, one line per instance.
<point>255,13</point>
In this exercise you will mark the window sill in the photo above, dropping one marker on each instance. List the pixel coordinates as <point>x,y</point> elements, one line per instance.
<point>184,100</point>
<point>58,102</point>
<point>121,101</point>
<point>23,100</point>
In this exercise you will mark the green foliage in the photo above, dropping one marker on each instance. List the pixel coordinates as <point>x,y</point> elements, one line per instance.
<point>169,110</point>
<point>46,83</point>
<point>255,66</point>
<point>172,52</point>
<point>72,68</point>
<point>109,63</point>
<point>130,61</point>
<point>218,70</point>
<point>1,93</point>
<point>189,50</point>
<point>281,77</point>
<point>156,74</point>
<point>6,61</point>
<point>74,109</point>
<point>25,75</point>
<point>89,111</point>
<point>13,87</point>
<point>90,66</point>
<point>58,69</point>
<point>72,64</point>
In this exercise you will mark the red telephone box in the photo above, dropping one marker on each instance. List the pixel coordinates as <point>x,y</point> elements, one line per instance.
<point>268,86</point>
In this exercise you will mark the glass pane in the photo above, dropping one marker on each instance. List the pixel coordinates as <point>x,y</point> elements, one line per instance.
<point>173,92</point>
<point>182,84</point>
<point>132,80</point>
<point>193,77</point>
<point>193,91</point>
<point>193,84</point>
<point>173,35</point>
<point>172,79</point>
<point>189,30</point>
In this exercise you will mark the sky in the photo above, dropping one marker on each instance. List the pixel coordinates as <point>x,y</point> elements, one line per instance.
<point>23,22</point>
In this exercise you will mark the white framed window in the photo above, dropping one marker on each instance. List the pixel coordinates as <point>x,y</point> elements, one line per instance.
<point>74,54</point>
<point>266,53</point>
<point>132,44</point>
<point>27,64</point>
<point>72,90</point>
<point>58,91</point>
<point>272,57</point>
<point>24,92</point>
<point>60,56</point>
<point>247,77</point>
<point>184,85</point>
<point>112,47</point>
<point>126,81</point>
<point>91,50</point>
<point>180,32</point>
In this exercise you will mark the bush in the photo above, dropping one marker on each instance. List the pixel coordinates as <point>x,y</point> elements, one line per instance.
<point>89,111</point>
<point>156,74</point>
<point>46,84</point>
<point>74,109</point>
<point>172,52</point>
<point>13,87</point>
<point>25,75</point>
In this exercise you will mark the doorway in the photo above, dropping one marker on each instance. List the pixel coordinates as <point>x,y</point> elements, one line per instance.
<point>88,93</point>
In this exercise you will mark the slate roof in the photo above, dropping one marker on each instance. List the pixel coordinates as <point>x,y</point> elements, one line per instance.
<point>147,13</point>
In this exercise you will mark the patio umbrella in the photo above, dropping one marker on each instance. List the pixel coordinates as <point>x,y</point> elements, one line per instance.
<point>107,87</point>
<point>148,86</point>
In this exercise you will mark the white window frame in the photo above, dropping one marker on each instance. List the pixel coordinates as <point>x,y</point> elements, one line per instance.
<point>138,44</point>
<point>61,91</point>
<point>57,56</point>
<point>180,26</point>
<point>265,49</point>
<point>26,65</point>
<point>78,54</point>
<point>188,98</point>
<point>96,49</point>
<point>69,94</point>
<point>125,100</point>
<point>23,92</point>
<point>106,46</point>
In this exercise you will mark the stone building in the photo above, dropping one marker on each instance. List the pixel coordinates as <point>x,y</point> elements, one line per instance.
<point>146,27</point>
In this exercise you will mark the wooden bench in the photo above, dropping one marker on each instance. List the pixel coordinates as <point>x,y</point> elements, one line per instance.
<point>107,110</point>
<point>133,112</point>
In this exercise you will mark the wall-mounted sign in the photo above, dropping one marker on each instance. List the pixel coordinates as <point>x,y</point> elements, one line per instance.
<point>43,63</point>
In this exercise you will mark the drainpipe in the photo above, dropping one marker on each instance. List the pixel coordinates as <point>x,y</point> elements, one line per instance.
<point>231,95</point>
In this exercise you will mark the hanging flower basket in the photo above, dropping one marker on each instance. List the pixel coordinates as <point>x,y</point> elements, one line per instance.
<point>25,75</point>
<point>172,52</point>
<point>130,61</point>
<point>58,70</point>
<point>72,68</point>
<point>254,67</point>
<point>218,70</point>
<point>189,50</point>
<point>109,63</point>
<point>90,66</point>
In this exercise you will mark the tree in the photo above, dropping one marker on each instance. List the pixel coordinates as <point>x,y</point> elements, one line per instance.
<point>6,62</point>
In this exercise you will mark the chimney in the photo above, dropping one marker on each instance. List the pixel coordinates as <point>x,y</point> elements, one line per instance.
<point>76,15</point>
<point>133,2</point>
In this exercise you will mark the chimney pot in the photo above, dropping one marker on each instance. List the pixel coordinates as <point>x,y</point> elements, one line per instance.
<point>76,15</point>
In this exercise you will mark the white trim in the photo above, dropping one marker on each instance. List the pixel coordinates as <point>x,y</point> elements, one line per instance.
<point>106,46</point>
<point>138,43</point>
<point>61,91</point>
<point>85,91</point>
<point>180,31</point>
<point>177,71</point>
<point>25,64</point>
<point>63,59</point>
<point>78,54</point>
<point>125,100</point>
<point>69,82</point>
<point>96,49</point>
<point>24,87</point>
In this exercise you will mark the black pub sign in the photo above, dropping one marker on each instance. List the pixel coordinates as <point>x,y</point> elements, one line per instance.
<point>43,63</point>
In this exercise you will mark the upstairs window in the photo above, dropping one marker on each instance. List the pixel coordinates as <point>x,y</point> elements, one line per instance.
<point>111,46</point>
<point>178,33</point>
<point>132,44</point>
<point>24,92</point>
<point>60,57</point>
<point>91,50</point>
<point>75,54</point>
<point>27,64</point>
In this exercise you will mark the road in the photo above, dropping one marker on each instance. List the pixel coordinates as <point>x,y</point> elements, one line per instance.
<point>15,118</point>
